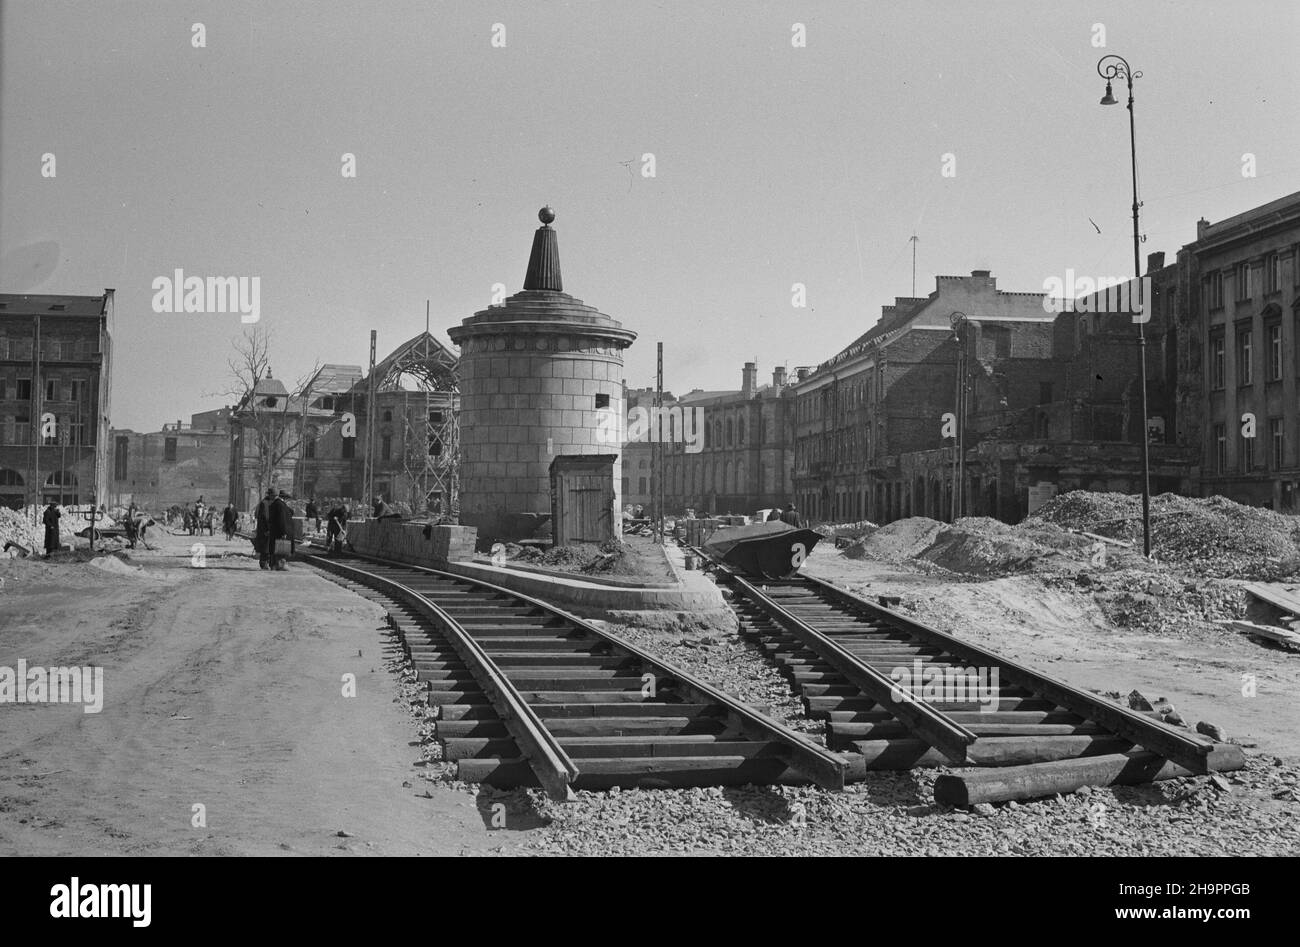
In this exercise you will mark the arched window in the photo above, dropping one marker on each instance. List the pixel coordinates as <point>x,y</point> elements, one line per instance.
<point>740,432</point>
<point>10,478</point>
<point>730,431</point>
<point>61,478</point>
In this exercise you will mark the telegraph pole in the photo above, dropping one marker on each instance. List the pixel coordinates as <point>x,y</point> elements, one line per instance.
<point>657,449</point>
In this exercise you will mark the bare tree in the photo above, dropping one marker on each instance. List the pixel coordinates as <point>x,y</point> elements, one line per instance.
<point>269,419</point>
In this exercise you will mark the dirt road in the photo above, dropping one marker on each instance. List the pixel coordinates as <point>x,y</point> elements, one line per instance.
<point>223,688</point>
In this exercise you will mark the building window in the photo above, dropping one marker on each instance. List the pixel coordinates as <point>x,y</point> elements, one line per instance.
<point>121,446</point>
<point>349,451</point>
<point>1276,441</point>
<point>388,415</point>
<point>1217,359</point>
<point>327,404</point>
<point>1275,351</point>
<point>51,389</point>
<point>24,390</point>
<point>386,445</point>
<point>22,429</point>
<point>1273,273</point>
<point>77,389</point>
<point>730,433</point>
<point>602,401</point>
<point>1220,449</point>
<point>1044,392</point>
<point>1214,290</point>
<point>1246,449</point>
<point>640,485</point>
<point>1244,360</point>
<point>1243,281</point>
<point>309,448</point>
<point>740,432</point>
<point>169,448</point>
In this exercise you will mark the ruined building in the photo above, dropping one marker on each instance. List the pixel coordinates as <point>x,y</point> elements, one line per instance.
<point>55,371</point>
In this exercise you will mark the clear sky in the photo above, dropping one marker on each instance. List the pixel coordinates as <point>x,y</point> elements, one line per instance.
<point>773,164</point>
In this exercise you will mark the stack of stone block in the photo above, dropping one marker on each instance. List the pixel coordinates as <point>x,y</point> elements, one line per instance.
<point>451,543</point>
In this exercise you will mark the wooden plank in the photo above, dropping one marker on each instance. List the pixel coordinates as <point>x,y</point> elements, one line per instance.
<point>1276,595</point>
<point>1046,779</point>
<point>1271,632</point>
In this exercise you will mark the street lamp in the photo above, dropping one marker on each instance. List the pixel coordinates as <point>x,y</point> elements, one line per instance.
<point>1113,67</point>
<point>959,323</point>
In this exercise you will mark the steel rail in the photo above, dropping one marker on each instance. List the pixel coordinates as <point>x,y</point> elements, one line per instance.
<point>554,769</point>
<point>822,766</point>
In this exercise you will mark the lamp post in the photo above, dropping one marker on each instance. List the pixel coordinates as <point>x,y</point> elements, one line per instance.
<point>959,323</point>
<point>1110,68</point>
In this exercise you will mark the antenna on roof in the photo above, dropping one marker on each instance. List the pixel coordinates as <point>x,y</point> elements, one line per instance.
<point>426,317</point>
<point>913,239</point>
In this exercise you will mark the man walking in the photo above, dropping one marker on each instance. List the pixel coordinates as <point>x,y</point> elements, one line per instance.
<point>261,542</point>
<point>279,526</point>
<point>791,516</point>
<point>775,515</point>
<point>229,521</point>
<point>51,520</point>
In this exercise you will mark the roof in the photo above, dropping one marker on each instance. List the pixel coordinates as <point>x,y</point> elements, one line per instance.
<point>332,379</point>
<point>61,305</point>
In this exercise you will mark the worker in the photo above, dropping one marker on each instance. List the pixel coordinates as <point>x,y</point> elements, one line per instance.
<point>775,515</point>
<point>229,521</point>
<point>262,518</point>
<point>312,513</point>
<point>791,516</point>
<point>279,526</point>
<point>51,520</point>
<point>336,528</point>
<point>383,511</point>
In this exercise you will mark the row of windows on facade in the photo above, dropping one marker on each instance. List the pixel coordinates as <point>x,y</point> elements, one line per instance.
<point>56,478</point>
<point>1245,356</point>
<point>847,397</point>
<point>1244,279</point>
<point>1274,445</point>
<point>718,433</point>
<point>56,390</point>
<point>17,431</point>
<point>52,350</point>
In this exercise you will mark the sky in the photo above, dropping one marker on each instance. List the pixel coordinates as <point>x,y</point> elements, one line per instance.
<point>974,126</point>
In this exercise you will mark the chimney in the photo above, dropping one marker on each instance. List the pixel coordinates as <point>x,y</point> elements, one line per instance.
<point>778,377</point>
<point>749,379</point>
<point>1201,226</point>
<point>984,278</point>
<point>802,372</point>
<point>1155,261</point>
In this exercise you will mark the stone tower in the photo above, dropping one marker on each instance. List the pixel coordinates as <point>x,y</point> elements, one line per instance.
<point>540,376</point>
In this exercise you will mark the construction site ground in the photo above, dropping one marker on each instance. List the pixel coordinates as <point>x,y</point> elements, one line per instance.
<point>223,688</point>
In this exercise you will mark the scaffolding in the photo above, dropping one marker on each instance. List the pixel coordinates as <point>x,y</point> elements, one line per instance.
<point>431,444</point>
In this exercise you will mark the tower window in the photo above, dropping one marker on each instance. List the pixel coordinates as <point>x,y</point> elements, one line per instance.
<point>602,401</point>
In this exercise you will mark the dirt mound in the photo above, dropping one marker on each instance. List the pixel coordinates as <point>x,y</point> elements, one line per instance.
<point>1157,602</point>
<point>981,546</point>
<point>901,539</point>
<point>1212,537</point>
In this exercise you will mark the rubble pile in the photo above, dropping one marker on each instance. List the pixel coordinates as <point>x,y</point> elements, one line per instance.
<point>1160,603</point>
<point>1212,537</point>
<point>901,539</point>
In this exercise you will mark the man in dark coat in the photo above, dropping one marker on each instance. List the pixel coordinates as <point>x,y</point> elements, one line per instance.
<point>279,526</point>
<point>229,521</point>
<point>51,520</point>
<point>262,517</point>
<point>774,516</point>
<point>337,528</point>
<point>791,516</point>
<point>312,513</point>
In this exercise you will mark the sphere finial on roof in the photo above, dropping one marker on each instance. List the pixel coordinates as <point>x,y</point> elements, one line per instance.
<point>546,215</point>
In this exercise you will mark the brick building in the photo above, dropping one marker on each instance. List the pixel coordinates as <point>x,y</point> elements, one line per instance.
<point>1245,277</point>
<point>740,459</point>
<point>55,363</point>
<point>174,466</point>
<point>871,440</point>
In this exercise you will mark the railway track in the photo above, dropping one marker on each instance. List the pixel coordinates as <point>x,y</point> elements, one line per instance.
<point>528,694</point>
<point>901,694</point>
